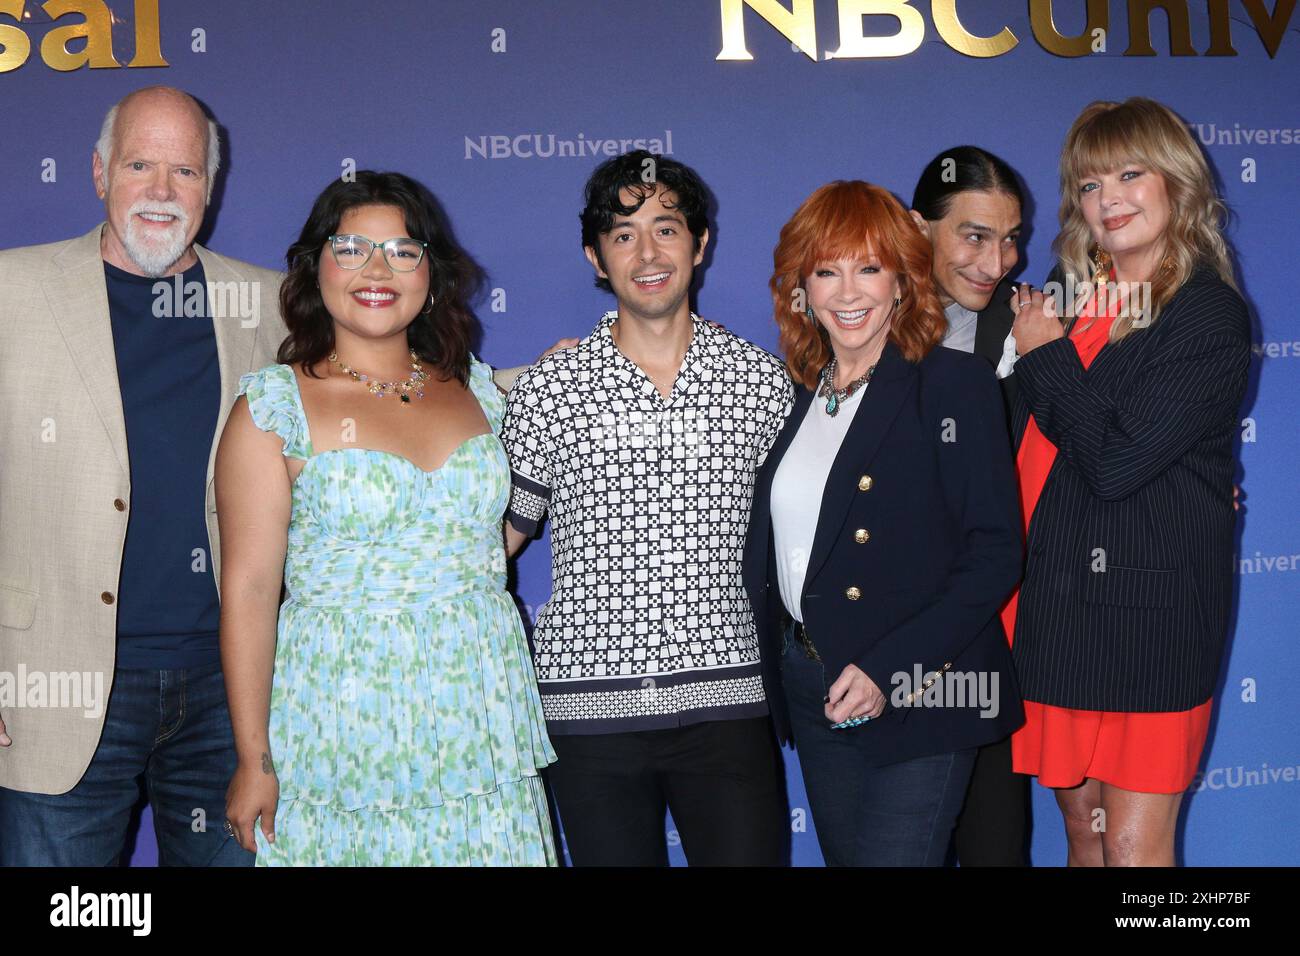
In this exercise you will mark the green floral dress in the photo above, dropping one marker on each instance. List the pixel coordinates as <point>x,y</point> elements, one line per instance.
<point>405,722</point>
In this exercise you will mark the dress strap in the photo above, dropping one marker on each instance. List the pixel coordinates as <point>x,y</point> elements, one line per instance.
<point>487,393</point>
<point>276,406</point>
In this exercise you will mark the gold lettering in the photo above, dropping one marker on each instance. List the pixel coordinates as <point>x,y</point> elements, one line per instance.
<point>1220,30</point>
<point>796,24</point>
<point>1043,22</point>
<point>853,44</point>
<point>97,30</point>
<point>962,40</point>
<point>148,38</point>
<point>14,45</point>
<point>1139,27</point>
<point>1270,28</point>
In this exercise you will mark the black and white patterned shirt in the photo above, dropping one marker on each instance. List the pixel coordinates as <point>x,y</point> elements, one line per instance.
<point>648,625</point>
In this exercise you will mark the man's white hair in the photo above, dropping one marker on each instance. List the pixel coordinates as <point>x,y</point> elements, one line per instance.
<point>104,145</point>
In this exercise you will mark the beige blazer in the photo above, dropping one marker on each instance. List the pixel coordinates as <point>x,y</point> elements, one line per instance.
<point>65,491</point>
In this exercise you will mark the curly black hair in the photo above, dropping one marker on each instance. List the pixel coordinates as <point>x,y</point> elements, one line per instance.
<point>641,172</point>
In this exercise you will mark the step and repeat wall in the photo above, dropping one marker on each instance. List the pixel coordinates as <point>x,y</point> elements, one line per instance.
<point>503,107</point>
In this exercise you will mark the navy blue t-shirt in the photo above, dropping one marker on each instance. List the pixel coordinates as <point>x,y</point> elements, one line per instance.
<point>170,380</point>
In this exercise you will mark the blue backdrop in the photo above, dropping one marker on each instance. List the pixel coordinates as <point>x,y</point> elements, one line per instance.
<point>504,107</point>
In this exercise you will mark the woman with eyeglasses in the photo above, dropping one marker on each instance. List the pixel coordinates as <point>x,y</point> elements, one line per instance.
<point>392,715</point>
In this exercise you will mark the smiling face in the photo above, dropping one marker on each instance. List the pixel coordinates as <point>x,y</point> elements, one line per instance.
<point>1127,212</point>
<point>155,186</point>
<point>649,258</point>
<point>853,300</point>
<point>975,245</point>
<point>375,301</point>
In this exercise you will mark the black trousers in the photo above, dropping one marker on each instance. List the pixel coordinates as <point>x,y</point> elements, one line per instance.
<point>722,780</point>
<point>993,827</point>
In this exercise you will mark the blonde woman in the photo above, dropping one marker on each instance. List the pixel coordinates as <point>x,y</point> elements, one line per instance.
<point>1130,383</point>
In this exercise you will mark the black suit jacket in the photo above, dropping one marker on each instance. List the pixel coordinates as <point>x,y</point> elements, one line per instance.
<point>992,326</point>
<point>926,470</point>
<point>1127,589</point>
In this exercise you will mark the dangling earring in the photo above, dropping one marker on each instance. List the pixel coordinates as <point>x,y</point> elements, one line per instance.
<point>812,316</point>
<point>428,309</point>
<point>1101,265</point>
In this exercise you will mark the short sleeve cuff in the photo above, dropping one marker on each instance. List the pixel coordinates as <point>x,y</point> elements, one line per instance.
<point>528,502</point>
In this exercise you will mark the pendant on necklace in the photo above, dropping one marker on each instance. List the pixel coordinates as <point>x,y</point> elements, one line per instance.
<point>832,404</point>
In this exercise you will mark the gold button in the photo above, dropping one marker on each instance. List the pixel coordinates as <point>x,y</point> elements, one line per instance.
<point>119,504</point>
<point>853,594</point>
<point>861,536</point>
<point>864,483</point>
<point>106,597</point>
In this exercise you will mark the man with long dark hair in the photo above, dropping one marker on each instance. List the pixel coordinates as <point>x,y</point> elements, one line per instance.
<point>968,202</point>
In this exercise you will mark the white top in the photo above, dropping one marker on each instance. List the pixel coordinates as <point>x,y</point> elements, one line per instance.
<point>797,490</point>
<point>961,336</point>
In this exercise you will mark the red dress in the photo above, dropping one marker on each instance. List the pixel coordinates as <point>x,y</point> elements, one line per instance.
<point>1142,752</point>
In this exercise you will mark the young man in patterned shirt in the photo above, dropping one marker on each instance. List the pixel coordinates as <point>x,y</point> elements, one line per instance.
<point>643,442</point>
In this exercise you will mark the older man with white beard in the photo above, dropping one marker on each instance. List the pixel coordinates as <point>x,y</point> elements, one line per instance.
<point>120,353</point>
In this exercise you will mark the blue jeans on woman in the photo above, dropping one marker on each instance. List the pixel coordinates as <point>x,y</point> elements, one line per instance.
<point>166,729</point>
<point>901,814</point>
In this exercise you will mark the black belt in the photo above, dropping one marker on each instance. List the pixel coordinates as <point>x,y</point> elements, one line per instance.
<point>804,641</point>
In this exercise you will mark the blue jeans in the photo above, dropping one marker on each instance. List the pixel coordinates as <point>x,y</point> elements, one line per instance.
<point>901,814</point>
<point>171,728</point>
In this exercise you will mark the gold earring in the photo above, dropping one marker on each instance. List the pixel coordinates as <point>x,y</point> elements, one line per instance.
<point>1101,264</point>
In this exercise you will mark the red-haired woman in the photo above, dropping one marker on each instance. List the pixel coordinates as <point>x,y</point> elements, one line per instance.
<point>884,537</point>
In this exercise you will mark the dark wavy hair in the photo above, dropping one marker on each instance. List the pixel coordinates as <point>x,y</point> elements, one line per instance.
<point>443,336</point>
<point>958,170</point>
<point>844,220</point>
<point>641,172</point>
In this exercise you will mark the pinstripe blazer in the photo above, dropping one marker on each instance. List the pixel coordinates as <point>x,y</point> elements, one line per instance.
<point>1128,583</point>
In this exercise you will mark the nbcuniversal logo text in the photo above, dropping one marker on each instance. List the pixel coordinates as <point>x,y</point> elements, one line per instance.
<point>548,146</point>
<point>84,43</point>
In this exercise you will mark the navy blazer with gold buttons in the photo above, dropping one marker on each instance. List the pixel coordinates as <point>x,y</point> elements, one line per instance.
<point>926,471</point>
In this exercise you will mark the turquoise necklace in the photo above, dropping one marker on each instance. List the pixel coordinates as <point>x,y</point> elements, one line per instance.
<point>835,397</point>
